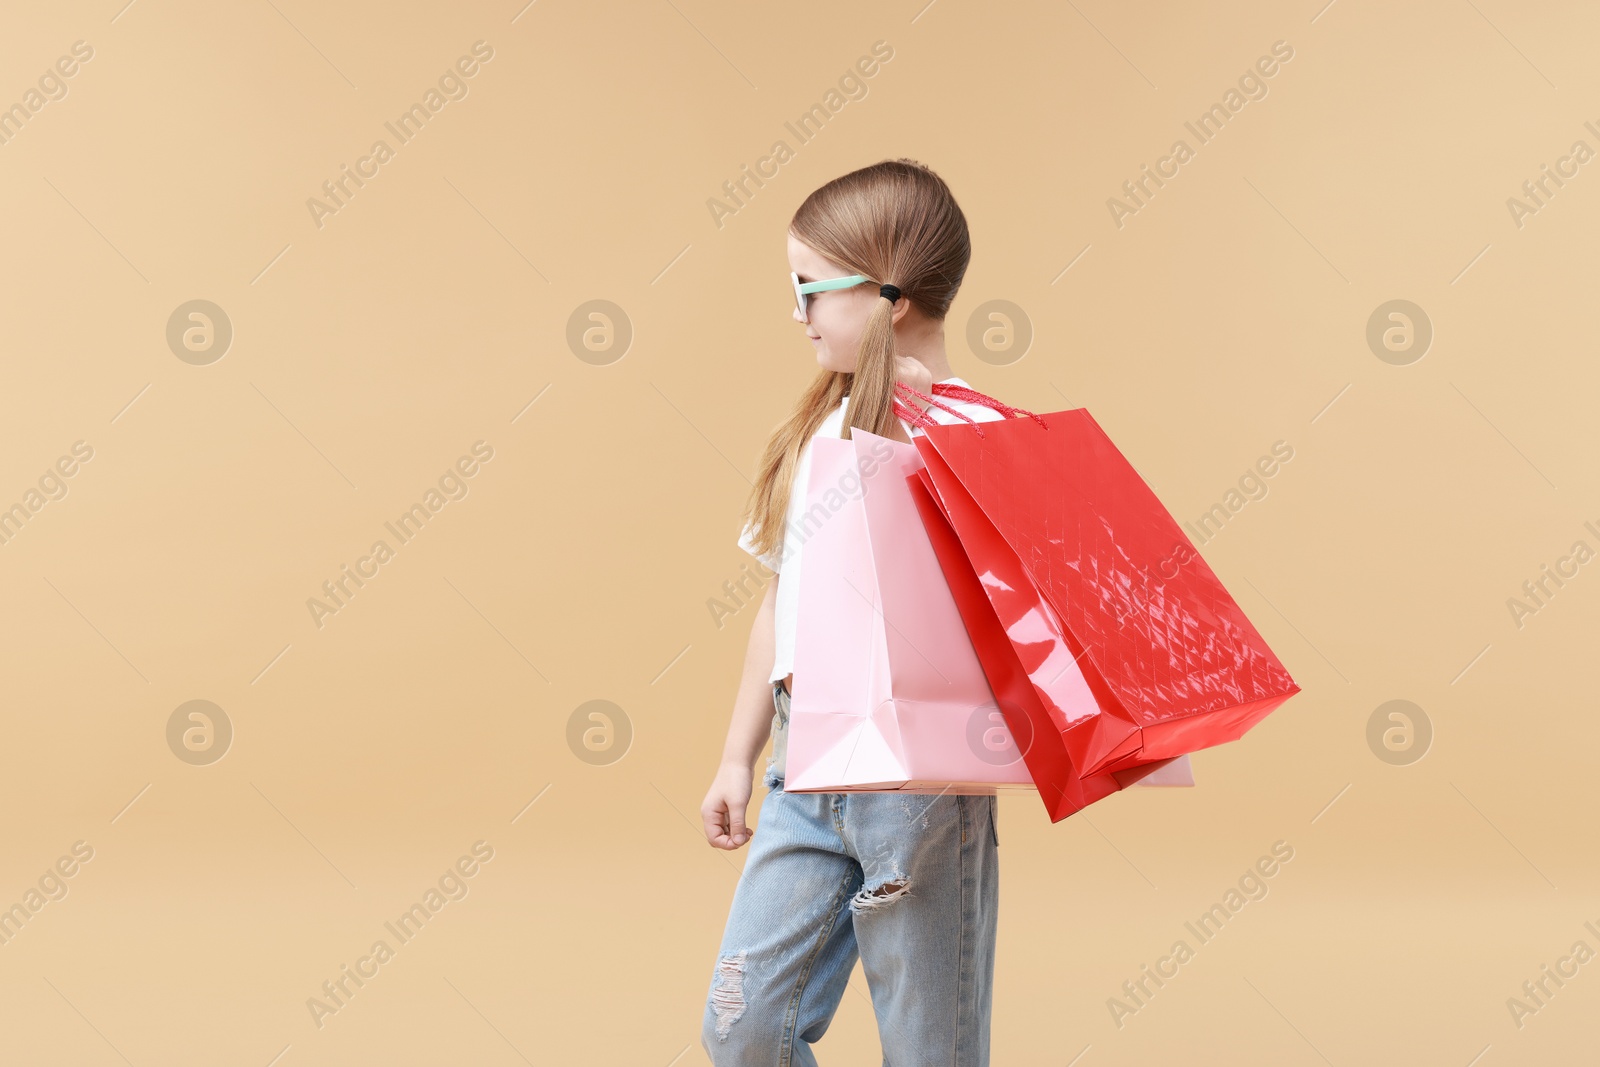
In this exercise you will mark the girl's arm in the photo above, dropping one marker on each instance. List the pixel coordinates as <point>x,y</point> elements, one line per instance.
<point>723,809</point>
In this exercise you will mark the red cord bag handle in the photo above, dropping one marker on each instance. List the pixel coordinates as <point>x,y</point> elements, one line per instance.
<point>918,417</point>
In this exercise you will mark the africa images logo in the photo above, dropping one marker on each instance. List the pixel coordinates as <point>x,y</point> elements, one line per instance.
<point>452,85</point>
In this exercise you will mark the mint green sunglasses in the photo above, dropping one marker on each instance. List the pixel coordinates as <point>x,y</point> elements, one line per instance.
<point>804,289</point>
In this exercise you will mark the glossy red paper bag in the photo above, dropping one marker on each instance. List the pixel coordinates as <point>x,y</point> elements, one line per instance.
<point>1060,786</point>
<point>1131,645</point>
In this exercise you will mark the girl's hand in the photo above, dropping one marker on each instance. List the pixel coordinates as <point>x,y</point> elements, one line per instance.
<point>724,806</point>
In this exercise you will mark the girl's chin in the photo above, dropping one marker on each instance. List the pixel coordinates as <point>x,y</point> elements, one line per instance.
<point>827,364</point>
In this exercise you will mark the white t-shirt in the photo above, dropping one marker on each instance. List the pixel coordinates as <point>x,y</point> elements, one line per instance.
<point>788,558</point>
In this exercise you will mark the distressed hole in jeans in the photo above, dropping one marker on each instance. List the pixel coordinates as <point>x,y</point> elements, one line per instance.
<point>881,897</point>
<point>727,992</point>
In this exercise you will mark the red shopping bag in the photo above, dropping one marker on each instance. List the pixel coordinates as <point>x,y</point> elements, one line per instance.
<point>1109,643</point>
<point>1063,790</point>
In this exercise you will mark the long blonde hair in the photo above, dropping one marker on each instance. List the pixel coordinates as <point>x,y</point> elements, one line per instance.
<point>894,222</point>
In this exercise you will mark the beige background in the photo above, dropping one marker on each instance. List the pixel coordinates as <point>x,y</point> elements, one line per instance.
<point>433,310</point>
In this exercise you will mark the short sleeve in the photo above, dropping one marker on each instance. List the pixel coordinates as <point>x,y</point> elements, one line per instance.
<point>747,542</point>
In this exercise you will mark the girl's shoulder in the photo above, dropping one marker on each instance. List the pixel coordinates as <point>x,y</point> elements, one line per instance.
<point>973,411</point>
<point>834,423</point>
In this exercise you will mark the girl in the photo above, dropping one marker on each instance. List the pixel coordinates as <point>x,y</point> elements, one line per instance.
<point>907,882</point>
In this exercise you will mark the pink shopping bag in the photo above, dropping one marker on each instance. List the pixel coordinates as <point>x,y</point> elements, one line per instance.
<point>888,691</point>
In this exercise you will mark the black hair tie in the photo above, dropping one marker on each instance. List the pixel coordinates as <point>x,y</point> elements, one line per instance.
<point>889,292</point>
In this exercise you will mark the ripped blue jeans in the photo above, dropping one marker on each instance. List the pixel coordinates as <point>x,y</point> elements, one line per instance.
<point>908,883</point>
